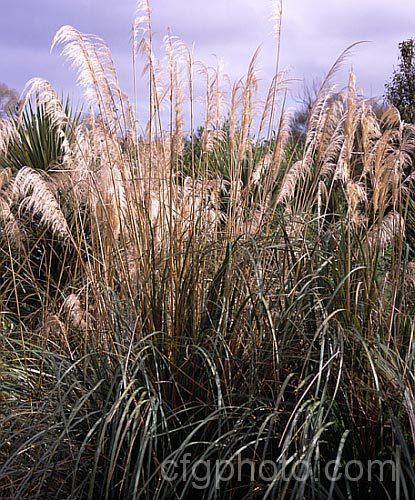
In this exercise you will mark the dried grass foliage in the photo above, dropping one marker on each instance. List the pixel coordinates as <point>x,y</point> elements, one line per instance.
<point>134,196</point>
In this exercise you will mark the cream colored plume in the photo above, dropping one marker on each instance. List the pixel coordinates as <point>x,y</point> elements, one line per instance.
<point>293,175</point>
<point>32,192</point>
<point>92,59</point>
<point>391,228</point>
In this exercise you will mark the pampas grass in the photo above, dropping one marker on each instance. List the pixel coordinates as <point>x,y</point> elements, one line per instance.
<point>227,295</point>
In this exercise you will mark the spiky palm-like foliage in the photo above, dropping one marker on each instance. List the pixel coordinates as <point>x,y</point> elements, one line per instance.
<point>39,140</point>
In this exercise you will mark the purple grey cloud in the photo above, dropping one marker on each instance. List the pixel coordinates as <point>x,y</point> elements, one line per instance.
<point>314,34</point>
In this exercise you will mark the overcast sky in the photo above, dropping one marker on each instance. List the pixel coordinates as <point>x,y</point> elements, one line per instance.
<point>314,33</point>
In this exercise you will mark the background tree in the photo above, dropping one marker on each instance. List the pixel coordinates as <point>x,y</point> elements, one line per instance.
<point>400,91</point>
<point>9,99</point>
<point>305,100</point>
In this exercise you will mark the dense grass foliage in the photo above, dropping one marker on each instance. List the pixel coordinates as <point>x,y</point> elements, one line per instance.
<point>173,305</point>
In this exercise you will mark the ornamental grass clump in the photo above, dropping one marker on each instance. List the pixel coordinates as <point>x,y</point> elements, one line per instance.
<point>177,305</point>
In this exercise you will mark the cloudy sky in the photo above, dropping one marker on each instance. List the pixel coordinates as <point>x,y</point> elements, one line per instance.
<point>314,33</point>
